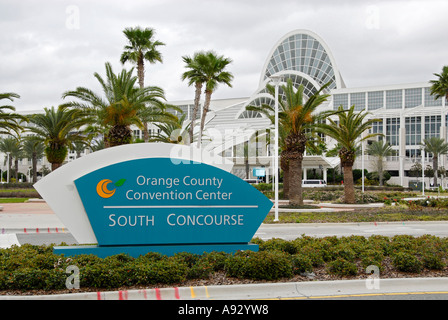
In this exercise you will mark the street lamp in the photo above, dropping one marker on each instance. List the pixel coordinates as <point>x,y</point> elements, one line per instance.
<point>276,80</point>
<point>7,177</point>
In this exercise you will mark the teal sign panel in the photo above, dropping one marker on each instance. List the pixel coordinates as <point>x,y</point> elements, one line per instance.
<point>164,201</point>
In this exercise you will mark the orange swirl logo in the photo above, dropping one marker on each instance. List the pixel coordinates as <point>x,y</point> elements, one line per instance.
<point>103,192</point>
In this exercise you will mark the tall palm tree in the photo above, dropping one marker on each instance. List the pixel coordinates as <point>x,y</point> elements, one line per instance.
<point>439,87</point>
<point>10,121</point>
<point>196,77</point>
<point>142,47</point>
<point>122,107</point>
<point>57,128</point>
<point>298,118</point>
<point>215,74</point>
<point>380,150</point>
<point>437,147</point>
<point>347,130</point>
<point>296,128</point>
<point>11,146</point>
<point>33,149</point>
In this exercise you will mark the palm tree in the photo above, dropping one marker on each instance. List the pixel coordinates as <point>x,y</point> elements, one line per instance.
<point>141,47</point>
<point>214,71</point>
<point>439,87</point>
<point>437,147</point>
<point>196,76</point>
<point>10,121</point>
<point>347,130</point>
<point>296,128</point>
<point>123,106</point>
<point>175,132</point>
<point>380,149</point>
<point>57,128</point>
<point>11,147</point>
<point>33,149</point>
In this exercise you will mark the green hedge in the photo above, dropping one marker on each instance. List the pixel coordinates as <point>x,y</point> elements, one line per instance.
<point>37,267</point>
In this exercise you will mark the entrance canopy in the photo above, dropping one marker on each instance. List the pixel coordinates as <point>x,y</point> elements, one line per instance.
<point>320,162</point>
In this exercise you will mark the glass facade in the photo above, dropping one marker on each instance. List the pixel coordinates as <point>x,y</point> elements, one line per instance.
<point>359,100</point>
<point>303,53</point>
<point>430,101</point>
<point>432,126</point>
<point>392,131</point>
<point>375,100</point>
<point>394,99</point>
<point>377,127</point>
<point>413,131</point>
<point>340,100</point>
<point>413,98</point>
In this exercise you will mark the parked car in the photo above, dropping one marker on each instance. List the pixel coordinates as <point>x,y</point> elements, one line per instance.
<point>314,183</point>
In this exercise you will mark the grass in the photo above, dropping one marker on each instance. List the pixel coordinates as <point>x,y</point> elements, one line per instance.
<point>13,200</point>
<point>386,214</point>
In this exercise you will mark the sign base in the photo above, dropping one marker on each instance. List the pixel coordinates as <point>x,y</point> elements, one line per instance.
<point>168,250</point>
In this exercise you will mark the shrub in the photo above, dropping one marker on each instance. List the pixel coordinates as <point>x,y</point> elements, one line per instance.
<point>372,257</point>
<point>301,263</point>
<point>407,262</point>
<point>342,267</point>
<point>261,265</point>
<point>433,261</point>
<point>280,245</point>
<point>343,251</point>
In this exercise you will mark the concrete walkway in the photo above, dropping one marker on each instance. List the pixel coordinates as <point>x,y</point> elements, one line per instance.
<point>291,290</point>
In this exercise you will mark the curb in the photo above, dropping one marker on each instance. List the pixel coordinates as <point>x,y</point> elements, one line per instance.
<point>34,230</point>
<point>290,290</point>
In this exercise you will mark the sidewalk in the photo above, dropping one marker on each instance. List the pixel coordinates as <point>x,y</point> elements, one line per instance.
<point>291,291</point>
<point>29,217</point>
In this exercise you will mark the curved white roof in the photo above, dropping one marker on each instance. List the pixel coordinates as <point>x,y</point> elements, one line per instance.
<point>303,52</point>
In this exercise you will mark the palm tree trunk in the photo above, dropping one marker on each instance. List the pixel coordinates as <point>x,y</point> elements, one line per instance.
<point>34,160</point>
<point>295,181</point>
<point>208,97</point>
<point>435,165</point>
<point>284,165</point>
<point>55,165</point>
<point>349,187</point>
<point>141,82</point>
<point>380,170</point>
<point>197,98</point>
<point>16,165</point>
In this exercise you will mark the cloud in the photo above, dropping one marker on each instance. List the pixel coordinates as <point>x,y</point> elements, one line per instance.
<point>53,46</point>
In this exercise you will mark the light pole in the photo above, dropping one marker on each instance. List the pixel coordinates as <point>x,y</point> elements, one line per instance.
<point>7,177</point>
<point>276,80</point>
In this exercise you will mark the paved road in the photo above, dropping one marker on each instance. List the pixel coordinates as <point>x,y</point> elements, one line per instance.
<point>293,231</point>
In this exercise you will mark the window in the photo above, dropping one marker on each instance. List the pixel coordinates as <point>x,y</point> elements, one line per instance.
<point>377,127</point>
<point>430,100</point>
<point>432,126</point>
<point>412,98</point>
<point>413,153</point>
<point>413,131</point>
<point>375,100</point>
<point>392,131</point>
<point>394,99</point>
<point>359,100</point>
<point>340,100</point>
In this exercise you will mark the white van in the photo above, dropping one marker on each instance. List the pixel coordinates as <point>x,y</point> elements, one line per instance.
<point>314,183</point>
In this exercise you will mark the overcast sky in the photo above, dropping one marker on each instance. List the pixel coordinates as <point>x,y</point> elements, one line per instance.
<point>48,47</point>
